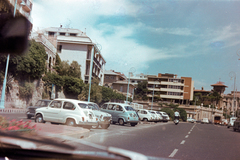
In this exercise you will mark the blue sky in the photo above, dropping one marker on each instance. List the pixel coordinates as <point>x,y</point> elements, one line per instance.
<point>190,38</point>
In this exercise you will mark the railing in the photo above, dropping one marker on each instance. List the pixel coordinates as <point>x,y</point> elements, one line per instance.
<point>46,42</point>
<point>11,110</point>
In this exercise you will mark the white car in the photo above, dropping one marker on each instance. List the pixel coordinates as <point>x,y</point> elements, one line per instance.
<point>164,116</point>
<point>66,111</point>
<point>205,120</point>
<point>145,115</point>
<point>231,122</point>
<point>159,117</point>
<point>104,119</point>
<point>190,119</point>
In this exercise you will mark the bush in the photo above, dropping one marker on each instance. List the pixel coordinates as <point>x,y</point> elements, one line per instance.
<point>169,111</point>
<point>26,90</point>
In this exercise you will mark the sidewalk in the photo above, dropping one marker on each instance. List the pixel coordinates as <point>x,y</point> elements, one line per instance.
<point>58,132</point>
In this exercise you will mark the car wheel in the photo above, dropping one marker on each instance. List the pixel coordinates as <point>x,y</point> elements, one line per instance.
<point>228,126</point>
<point>133,124</point>
<point>39,119</point>
<point>121,122</point>
<point>105,126</point>
<point>145,119</point>
<point>234,129</point>
<point>70,122</point>
<point>113,122</point>
<point>29,117</point>
<point>95,127</point>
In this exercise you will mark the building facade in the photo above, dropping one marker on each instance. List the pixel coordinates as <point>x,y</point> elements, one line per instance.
<point>75,45</point>
<point>138,78</point>
<point>119,82</point>
<point>170,88</point>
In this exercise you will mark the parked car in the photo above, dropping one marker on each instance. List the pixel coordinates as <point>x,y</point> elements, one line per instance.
<point>145,115</point>
<point>31,109</point>
<point>236,124</point>
<point>66,111</point>
<point>190,119</point>
<point>224,122</point>
<point>104,119</point>
<point>231,122</point>
<point>205,121</point>
<point>121,113</point>
<point>165,116</point>
<point>159,117</point>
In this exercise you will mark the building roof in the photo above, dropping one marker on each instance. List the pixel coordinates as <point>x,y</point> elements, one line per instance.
<point>109,72</point>
<point>199,90</point>
<point>219,83</point>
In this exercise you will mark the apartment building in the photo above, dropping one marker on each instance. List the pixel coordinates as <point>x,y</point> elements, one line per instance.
<point>135,79</point>
<point>23,8</point>
<point>231,102</point>
<point>75,45</point>
<point>168,87</point>
<point>119,82</point>
<point>50,47</point>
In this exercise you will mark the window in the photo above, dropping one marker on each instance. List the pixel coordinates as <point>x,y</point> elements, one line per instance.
<point>119,108</point>
<point>59,48</point>
<point>104,106</point>
<point>73,34</point>
<point>51,33</point>
<point>38,103</point>
<point>56,104</point>
<point>45,103</point>
<point>68,106</point>
<point>111,107</point>
<point>62,34</point>
<point>82,105</point>
<point>121,88</point>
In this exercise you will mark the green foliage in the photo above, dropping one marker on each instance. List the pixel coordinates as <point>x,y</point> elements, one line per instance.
<point>141,91</point>
<point>64,69</point>
<point>183,114</point>
<point>33,63</point>
<point>72,86</point>
<point>26,90</point>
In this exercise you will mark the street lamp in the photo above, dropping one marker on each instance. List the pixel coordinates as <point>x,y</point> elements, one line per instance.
<point>6,70</point>
<point>131,70</point>
<point>153,94</point>
<point>233,74</point>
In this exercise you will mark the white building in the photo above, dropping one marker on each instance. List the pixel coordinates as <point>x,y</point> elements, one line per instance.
<point>75,45</point>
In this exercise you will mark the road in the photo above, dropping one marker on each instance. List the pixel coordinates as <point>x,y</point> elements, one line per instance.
<point>184,141</point>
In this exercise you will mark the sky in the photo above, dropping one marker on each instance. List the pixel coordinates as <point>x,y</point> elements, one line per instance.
<point>189,38</point>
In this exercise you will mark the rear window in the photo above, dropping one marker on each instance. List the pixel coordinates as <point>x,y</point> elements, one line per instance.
<point>129,108</point>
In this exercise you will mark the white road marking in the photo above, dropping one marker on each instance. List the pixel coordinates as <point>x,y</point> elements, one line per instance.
<point>189,132</point>
<point>182,142</point>
<point>173,153</point>
<point>186,136</point>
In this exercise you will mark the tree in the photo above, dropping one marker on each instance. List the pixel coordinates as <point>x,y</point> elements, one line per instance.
<point>141,90</point>
<point>169,111</point>
<point>33,64</point>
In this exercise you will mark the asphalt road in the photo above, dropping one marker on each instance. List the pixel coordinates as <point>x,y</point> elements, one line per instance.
<point>184,141</point>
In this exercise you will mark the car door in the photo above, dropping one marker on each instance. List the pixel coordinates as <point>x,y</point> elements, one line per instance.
<point>118,112</point>
<point>68,110</point>
<point>52,113</point>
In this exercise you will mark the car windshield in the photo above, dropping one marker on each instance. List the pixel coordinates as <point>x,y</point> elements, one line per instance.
<point>122,55</point>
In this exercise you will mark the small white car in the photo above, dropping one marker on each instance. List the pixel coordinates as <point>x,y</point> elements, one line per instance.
<point>191,120</point>
<point>159,117</point>
<point>66,111</point>
<point>104,119</point>
<point>231,122</point>
<point>205,120</point>
<point>164,116</point>
<point>145,115</point>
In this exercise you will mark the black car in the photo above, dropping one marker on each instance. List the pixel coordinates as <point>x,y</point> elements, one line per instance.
<point>40,103</point>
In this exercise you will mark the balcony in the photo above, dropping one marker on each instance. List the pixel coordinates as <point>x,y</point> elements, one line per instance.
<point>155,89</point>
<point>171,96</point>
<point>170,90</point>
<point>28,5</point>
<point>172,83</point>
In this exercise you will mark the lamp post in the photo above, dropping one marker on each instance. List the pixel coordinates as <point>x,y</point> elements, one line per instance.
<point>131,70</point>
<point>6,70</point>
<point>233,75</point>
<point>153,94</point>
<point>90,74</point>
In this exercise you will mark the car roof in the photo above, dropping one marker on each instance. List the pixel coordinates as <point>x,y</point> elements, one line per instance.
<point>74,100</point>
<point>123,104</point>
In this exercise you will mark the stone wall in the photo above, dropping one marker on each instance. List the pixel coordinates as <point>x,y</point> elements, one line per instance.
<point>12,98</point>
